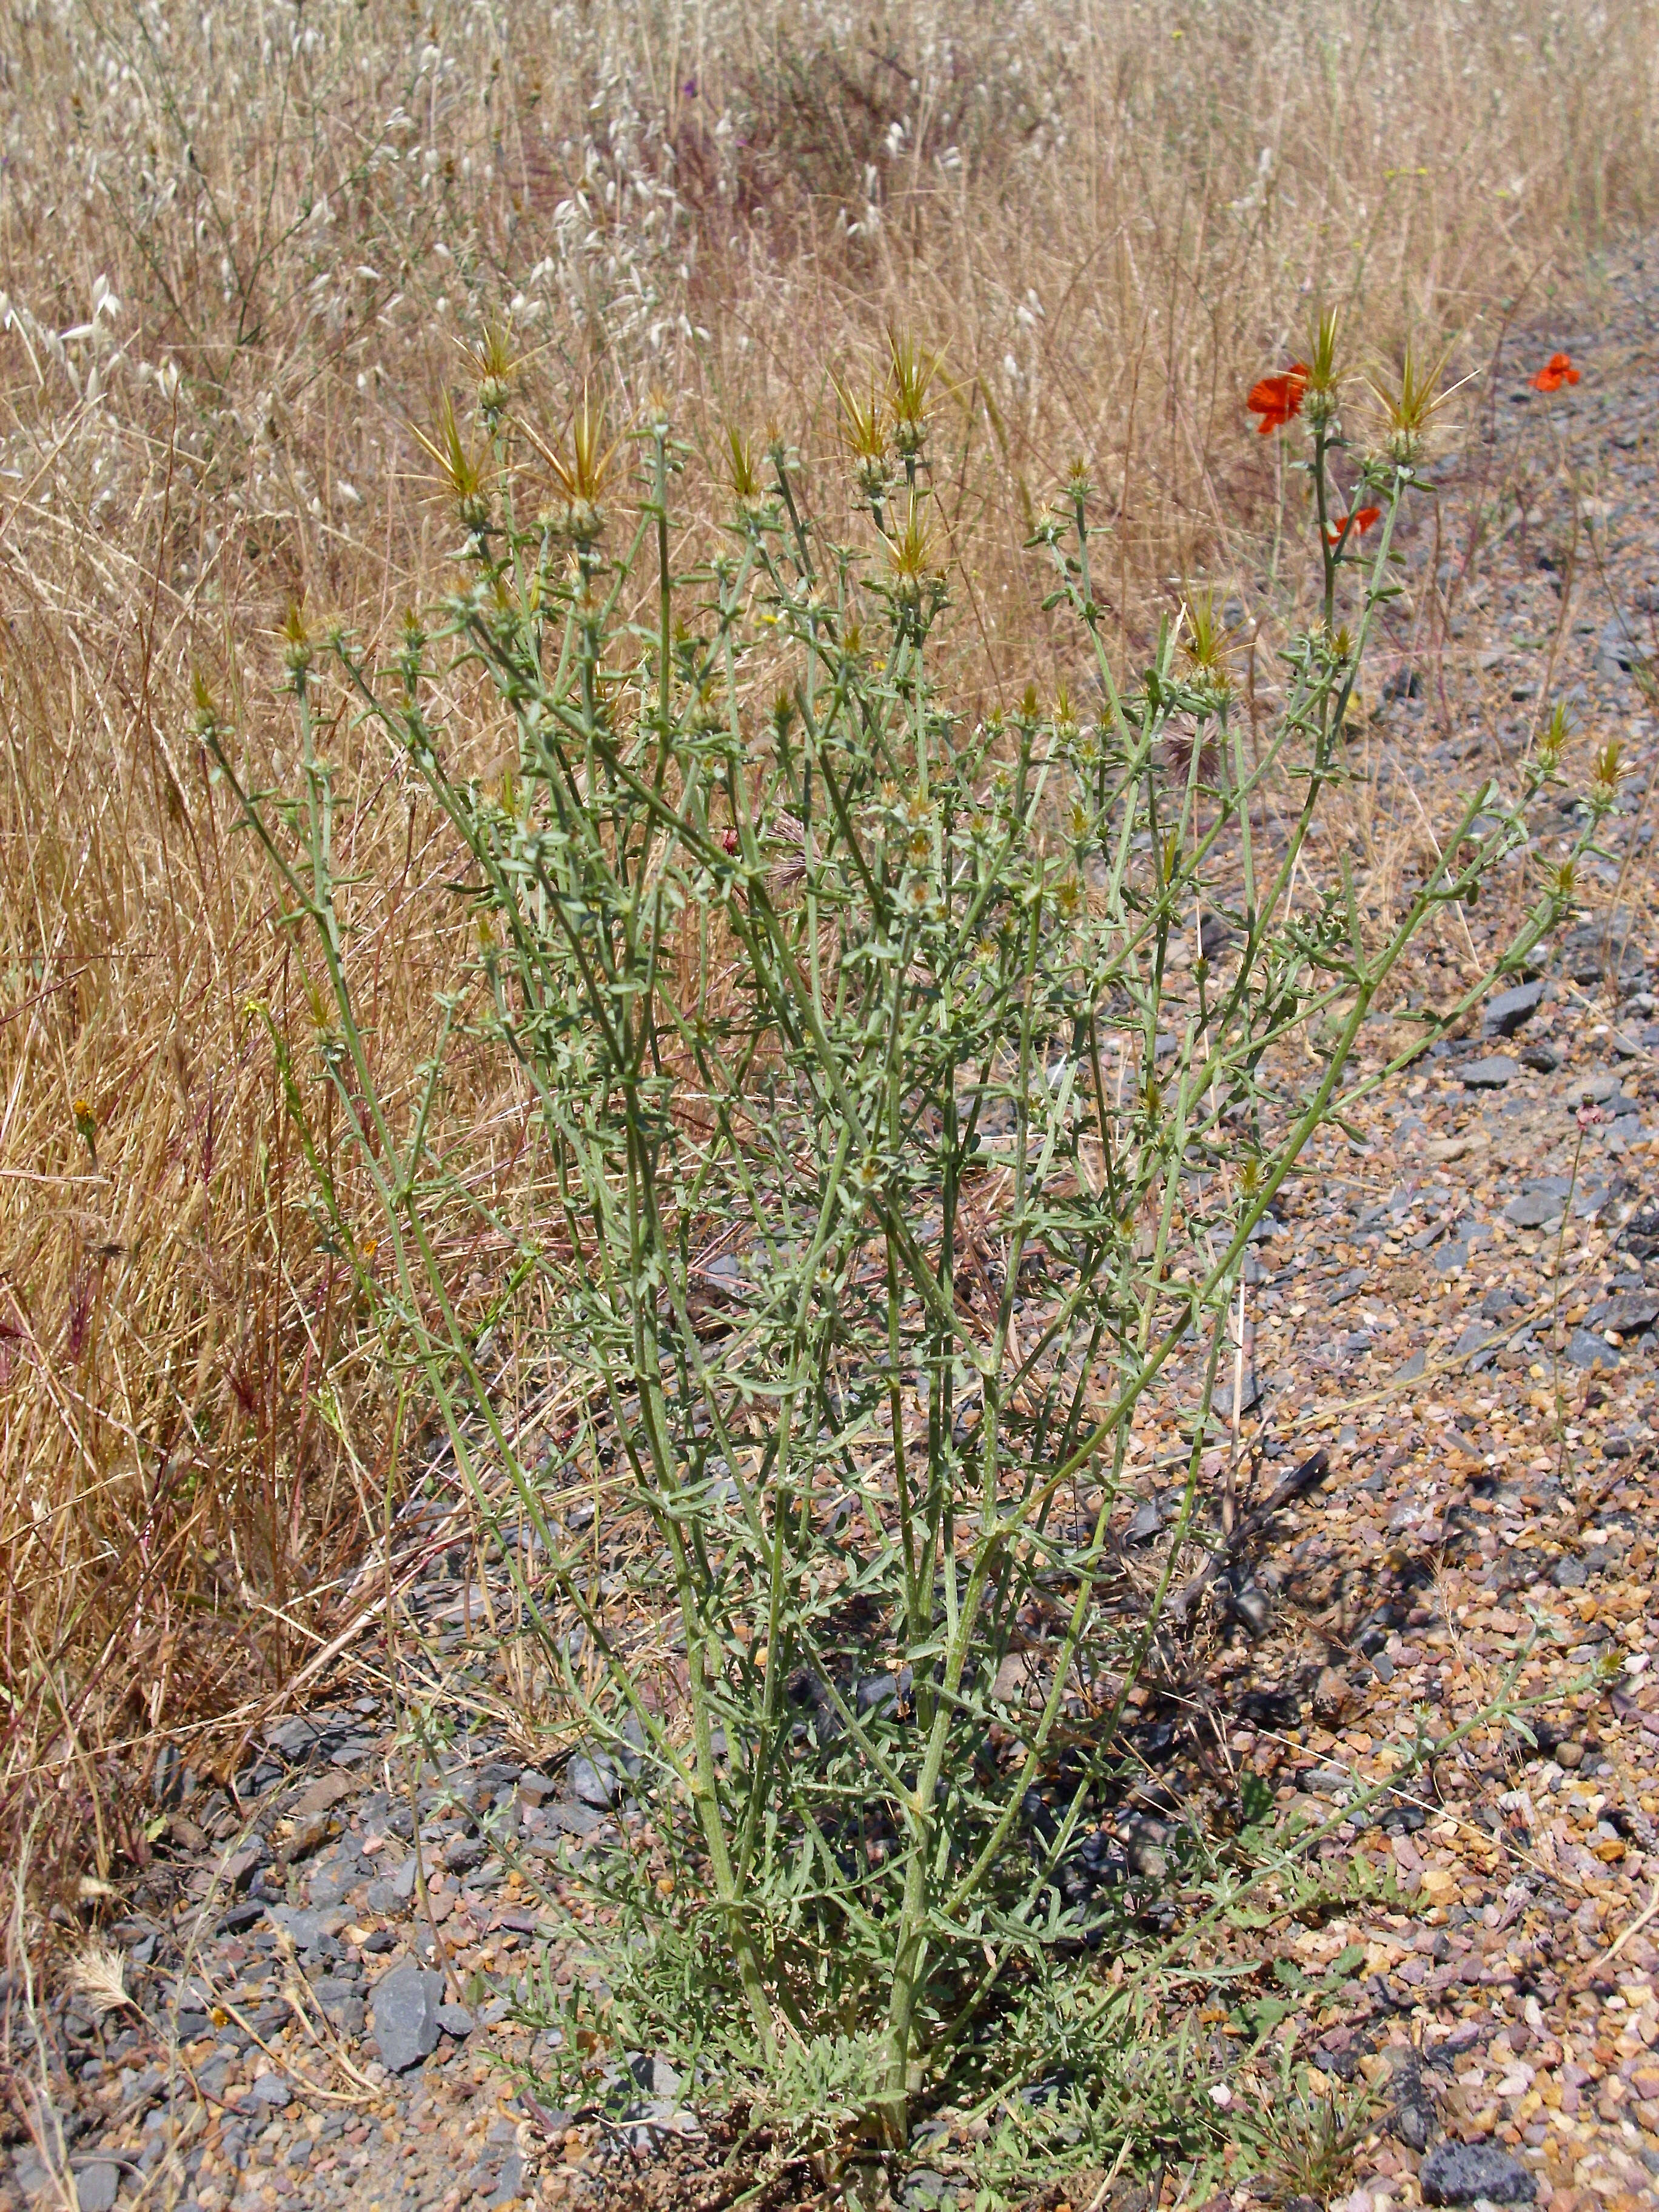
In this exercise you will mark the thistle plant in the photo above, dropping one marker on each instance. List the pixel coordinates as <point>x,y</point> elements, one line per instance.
<point>903,1143</point>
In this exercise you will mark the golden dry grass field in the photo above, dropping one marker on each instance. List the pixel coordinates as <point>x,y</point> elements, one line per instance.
<point>244,248</point>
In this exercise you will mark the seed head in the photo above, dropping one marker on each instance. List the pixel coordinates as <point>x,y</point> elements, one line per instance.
<point>1206,650</point>
<point>910,372</point>
<point>297,640</point>
<point>911,555</point>
<point>1322,397</point>
<point>495,364</point>
<point>207,706</point>
<point>1552,744</point>
<point>1410,404</point>
<point>864,433</point>
<point>745,481</point>
<point>581,468</point>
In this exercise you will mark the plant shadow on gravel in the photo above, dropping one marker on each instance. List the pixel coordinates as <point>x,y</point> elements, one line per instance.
<point>905,1096</point>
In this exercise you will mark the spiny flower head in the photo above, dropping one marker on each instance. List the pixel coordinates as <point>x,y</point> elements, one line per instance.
<point>581,468</point>
<point>460,472</point>
<point>495,364</point>
<point>1409,404</point>
<point>297,640</point>
<point>864,430</point>
<point>910,372</point>
<point>740,468</point>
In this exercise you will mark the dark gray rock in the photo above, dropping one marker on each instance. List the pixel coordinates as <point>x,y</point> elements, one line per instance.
<point>510,2184</point>
<point>575,1820</point>
<point>1617,651</point>
<point>240,1867</point>
<point>1145,1522</point>
<point>648,2128</point>
<point>1602,1089</point>
<point>657,2075</point>
<point>535,1789</point>
<point>1506,1012</point>
<point>292,1738</point>
<point>456,2020</point>
<point>304,1929</point>
<point>332,1885</point>
<point>32,2177</point>
<point>1586,1349</point>
<point>1535,1209</point>
<point>1601,946</point>
<point>885,1695</point>
<point>1491,1074</point>
<point>1630,1312</point>
<point>97,2186</point>
<point>1250,1606</point>
<point>1458,2174</point>
<point>406,2026</point>
<point>1545,1059</point>
<point>1412,2118</point>
<point>270,2094</point>
<point>594,1780</point>
<point>925,2190</point>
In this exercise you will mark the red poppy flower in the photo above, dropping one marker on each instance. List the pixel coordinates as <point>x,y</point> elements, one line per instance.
<point>1556,371</point>
<point>1276,399</point>
<point>1360,521</point>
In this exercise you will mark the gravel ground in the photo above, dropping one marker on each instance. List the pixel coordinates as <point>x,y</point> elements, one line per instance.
<point>1459,1311</point>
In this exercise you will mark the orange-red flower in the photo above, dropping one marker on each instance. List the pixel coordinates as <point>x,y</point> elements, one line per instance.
<point>1556,371</point>
<point>1276,399</point>
<point>1359,521</point>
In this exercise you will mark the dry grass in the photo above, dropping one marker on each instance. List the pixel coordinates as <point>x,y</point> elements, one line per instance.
<point>238,250</point>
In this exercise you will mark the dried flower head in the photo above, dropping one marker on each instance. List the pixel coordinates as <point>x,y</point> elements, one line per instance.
<point>744,477</point>
<point>461,472</point>
<point>1410,404</point>
<point>910,371</point>
<point>297,640</point>
<point>912,559</point>
<point>581,470</point>
<point>1320,400</point>
<point>207,717</point>
<point>864,430</point>
<point>1608,767</point>
<point>495,364</point>
<point>98,1978</point>
<point>1205,637</point>
<point>1552,744</point>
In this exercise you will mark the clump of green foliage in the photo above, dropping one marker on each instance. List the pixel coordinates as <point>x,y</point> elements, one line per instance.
<point>909,1089</point>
